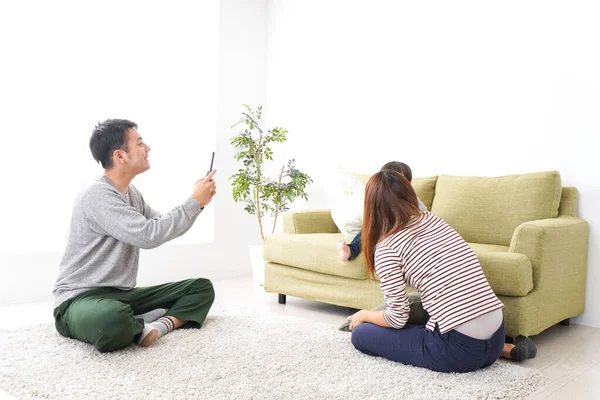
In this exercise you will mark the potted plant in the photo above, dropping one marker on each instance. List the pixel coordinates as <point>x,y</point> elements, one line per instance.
<point>262,195</point>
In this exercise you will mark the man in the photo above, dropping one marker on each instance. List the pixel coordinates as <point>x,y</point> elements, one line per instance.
<point>95,295</point>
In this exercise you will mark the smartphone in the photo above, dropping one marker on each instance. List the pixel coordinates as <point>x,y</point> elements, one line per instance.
<point>212,160</point>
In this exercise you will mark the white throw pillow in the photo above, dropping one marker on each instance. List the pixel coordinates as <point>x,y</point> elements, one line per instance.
<point>346,202</point>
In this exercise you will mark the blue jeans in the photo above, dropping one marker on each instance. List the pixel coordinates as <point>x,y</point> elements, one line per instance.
<point>415,345</point>
<point>355,246</point>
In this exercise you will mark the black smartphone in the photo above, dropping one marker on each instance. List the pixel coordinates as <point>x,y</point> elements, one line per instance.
<point>212,160</point>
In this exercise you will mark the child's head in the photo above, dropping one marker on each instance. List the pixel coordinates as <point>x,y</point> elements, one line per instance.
<point>399,167</point>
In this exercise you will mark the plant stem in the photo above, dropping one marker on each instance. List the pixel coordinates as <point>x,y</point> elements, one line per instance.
<point>256,192</point>
<point>278,196</point>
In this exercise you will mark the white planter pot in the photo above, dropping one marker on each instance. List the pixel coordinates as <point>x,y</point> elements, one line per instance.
<point>258,264</point>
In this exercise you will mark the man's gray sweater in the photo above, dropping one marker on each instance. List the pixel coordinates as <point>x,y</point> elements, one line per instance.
<point>107,231</point>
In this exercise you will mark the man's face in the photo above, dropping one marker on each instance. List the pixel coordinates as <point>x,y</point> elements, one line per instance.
<point>137,152</point>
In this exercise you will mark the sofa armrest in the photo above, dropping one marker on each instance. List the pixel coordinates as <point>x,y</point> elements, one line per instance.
<point>557,249</point>
<point>308,221</point>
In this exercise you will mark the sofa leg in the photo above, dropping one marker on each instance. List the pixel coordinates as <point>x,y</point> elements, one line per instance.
<point>565,322</point>
<point>514,340</point>
<point>281,299</point>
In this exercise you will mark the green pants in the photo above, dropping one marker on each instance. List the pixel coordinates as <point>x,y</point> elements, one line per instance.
<point>104,317</point>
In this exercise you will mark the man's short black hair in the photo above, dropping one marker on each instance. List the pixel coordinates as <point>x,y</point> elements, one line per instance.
<point>107,137</point>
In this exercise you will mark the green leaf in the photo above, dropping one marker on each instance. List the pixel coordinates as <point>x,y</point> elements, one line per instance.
<point>251,150</point>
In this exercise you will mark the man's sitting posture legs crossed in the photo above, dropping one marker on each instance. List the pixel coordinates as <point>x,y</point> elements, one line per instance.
<point>95,295</point>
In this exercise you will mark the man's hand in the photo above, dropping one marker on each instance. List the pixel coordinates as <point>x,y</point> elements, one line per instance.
<point>358,318</point>
<point>205,189</point>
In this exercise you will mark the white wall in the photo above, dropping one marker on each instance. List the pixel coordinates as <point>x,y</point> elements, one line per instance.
<point>242,67</point>
<point>464,87</point>
<point>56,84</point>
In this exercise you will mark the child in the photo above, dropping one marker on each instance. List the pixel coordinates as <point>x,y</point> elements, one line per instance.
<point>350,251</point>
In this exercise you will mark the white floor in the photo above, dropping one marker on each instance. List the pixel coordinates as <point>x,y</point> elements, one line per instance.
<point>567,355</point>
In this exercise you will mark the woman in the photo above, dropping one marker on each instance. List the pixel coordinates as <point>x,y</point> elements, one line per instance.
<point>404,246</point>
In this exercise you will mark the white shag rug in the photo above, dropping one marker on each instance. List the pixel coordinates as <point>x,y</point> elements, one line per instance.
<point>240,353</point>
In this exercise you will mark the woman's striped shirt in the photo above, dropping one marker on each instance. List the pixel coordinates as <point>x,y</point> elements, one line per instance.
<point>434,259</point>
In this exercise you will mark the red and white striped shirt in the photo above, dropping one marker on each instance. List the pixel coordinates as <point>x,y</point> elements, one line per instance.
<point>434,259</point>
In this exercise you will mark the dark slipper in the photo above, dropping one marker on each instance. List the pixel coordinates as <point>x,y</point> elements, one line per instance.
<point>523,350</point>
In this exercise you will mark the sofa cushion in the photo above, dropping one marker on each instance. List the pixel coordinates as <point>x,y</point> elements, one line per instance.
<point>315,252</point>
<point>509,274</point>
<point>488,210</point>
<point>424,188</point>
<point>347,197</point>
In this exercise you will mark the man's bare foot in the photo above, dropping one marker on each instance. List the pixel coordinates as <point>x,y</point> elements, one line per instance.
<point>344,250</point>
<point>149,338</point>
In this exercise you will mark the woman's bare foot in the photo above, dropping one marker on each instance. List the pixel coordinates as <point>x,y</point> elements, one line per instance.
<point>506,350</point>
<point>344,250</point>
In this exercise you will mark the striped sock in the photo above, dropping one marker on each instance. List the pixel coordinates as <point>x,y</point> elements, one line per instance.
<point>148,335</point>
<point>163,325</point>
<point>151,316</point>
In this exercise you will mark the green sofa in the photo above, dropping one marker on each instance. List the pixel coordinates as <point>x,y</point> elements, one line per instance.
<point>524,229</point>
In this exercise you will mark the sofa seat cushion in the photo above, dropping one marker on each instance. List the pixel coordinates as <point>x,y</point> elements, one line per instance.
<point>315,252</point>
<point>509,274</point>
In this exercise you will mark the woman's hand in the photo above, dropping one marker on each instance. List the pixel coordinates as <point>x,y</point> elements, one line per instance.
<point>374,317</point>
<point>358,318</point>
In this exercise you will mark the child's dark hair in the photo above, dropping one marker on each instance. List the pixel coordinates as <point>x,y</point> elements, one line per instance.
<point>399,167</point>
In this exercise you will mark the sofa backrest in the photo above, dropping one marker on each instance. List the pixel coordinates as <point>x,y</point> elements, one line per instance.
<point>488,210</point>
<point>424,188</point>
<point>568,201</point>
